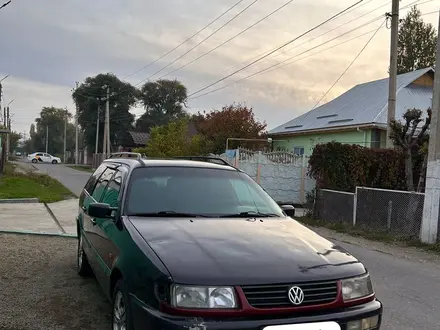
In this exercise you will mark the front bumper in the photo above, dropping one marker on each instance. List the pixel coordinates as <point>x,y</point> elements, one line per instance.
<point>145,318</point>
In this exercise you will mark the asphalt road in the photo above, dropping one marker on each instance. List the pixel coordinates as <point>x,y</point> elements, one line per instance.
<point>406,280</point>
<point>72,179</point>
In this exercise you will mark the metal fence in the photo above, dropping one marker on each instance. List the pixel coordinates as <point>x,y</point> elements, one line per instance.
<point>398,213</point>
<point>335,206</point>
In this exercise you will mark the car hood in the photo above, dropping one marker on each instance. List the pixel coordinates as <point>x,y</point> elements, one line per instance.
<point>244,251</point>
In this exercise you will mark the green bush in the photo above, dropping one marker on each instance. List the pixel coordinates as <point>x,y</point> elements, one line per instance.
<point>343,167</point>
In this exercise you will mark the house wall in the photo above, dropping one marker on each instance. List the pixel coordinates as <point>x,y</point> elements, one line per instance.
<point>309,141</point>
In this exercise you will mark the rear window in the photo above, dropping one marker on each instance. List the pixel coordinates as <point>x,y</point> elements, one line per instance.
<point>211,192</point>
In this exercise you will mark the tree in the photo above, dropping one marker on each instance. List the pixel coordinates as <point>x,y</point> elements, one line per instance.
<point>174,140</point>
<point>164,101</point>
<point>413,141</point>
<point>14,137</point>
<point>90,96</point>
<point>233,121</point>
<point>417,43</point>
<point>51,122</point>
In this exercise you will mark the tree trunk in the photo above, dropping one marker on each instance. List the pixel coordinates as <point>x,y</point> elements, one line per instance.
<point>409,170</point>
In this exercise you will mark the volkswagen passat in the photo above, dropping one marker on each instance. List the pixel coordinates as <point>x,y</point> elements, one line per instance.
<point>184,244</point>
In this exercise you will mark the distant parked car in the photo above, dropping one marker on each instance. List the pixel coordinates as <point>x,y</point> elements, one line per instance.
<point>42,157</point>
<point>18,154</point>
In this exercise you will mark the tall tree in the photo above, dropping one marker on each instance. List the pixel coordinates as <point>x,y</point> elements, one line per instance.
<point>233,121</point>
<point>164,101</point>
<point>90,96</point>
<point>417,43</point>
<point>51,123</point>
<point>13,141</point>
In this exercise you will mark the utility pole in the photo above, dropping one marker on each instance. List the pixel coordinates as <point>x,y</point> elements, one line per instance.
<point>393,69</point>
<point>97,126</point>
<point>47,137</point>
<point>65,135</point>
<point>428,231</point>
<point>76,131</point>
<point>8,135</point>
<point>107,113</point>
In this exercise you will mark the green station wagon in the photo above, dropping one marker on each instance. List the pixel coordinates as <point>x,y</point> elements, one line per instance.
<point>187,244</point>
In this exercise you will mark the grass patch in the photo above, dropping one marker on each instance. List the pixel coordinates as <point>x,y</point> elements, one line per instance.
<point>31,185</point>
<point>84,168</point>
<point>368,234</point>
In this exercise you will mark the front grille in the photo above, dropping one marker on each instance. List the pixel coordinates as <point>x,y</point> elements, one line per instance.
<point>276,296</point>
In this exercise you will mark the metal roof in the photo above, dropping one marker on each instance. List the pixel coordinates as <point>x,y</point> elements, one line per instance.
<point>363,104</point>
<point>139,138</point>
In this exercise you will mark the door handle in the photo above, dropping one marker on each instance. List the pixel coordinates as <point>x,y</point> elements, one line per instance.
<point>93,221</point>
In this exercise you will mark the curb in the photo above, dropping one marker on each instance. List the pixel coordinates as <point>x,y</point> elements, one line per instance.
<point>54,218</point>
<point>36,233</point>
<point>19,201</point>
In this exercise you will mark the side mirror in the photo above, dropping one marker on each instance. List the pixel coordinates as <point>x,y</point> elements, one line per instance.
<point>100,210</point>
<point>289,210</point>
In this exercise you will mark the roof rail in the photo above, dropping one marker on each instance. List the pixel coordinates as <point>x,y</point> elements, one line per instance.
<point>126,155</point>
<point>215,160</point>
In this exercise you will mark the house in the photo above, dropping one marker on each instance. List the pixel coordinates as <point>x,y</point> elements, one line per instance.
<point>135,139</point>
<point>359,116</point>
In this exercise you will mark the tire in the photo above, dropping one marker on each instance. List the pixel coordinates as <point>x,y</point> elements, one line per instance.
<point>54,162</point>
<point>82,263</point>
<point>120,311</point>
<point>34,161</point>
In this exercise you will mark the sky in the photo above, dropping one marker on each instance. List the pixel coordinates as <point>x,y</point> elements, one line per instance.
<point>49,45</point>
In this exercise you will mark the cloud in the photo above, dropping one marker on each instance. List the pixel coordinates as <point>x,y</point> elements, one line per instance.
<point>48,46</point>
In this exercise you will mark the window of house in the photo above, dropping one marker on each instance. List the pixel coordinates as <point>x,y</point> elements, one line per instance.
<point>298,151</point>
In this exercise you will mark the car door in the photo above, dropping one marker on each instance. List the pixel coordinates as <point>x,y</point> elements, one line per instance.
<point>39,156</point>
<point>47,158</point>
<point>106,235</point>
<point>89,224</point>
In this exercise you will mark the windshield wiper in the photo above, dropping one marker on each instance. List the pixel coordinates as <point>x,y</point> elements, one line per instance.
<point>170,214</point>
<point>248,214</point>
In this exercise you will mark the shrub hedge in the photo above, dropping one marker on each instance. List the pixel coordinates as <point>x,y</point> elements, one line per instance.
<point>343,167</point>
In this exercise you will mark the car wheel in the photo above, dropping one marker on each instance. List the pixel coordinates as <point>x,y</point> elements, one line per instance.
<point>121,317</point>
<point>34,160</point>
<point>54,162</point>
<point>82,264</point>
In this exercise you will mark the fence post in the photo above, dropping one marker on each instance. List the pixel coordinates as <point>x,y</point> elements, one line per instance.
<point>355,200</point>
<point>302,193</point>
<point>237,158</point>
<point>258,167</point>
<point>390,211</point>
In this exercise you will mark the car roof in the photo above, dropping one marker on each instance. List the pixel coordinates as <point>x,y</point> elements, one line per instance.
<point>146,162</point>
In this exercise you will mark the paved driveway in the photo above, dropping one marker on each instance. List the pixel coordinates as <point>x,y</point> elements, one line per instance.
<point>73,179</point>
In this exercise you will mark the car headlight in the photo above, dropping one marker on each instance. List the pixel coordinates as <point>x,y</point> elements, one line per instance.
<point>357,287</point>
<point>203,297</point>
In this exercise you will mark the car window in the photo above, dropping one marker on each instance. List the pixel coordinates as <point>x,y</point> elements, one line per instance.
<point>211,192</point>
<point>90,185</point>
<point>41,155</point>
<point>46,155</point>
<point>102,184</point>
<point>112,193</point>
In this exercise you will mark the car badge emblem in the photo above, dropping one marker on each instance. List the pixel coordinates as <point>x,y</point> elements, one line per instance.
<point>296,295</point>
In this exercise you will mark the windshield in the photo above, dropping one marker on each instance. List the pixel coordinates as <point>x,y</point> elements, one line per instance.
<point>197,191</point>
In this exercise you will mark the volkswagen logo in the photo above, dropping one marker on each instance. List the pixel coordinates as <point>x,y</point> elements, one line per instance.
<point>296,295</point>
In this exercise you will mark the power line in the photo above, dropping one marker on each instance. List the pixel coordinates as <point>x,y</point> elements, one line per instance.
<point>232,38</point>
<point>186,40</point>
<point>5,4</point>
<point>288,60</point>
<point>278,66</point>
<point>199,43</point>
<point>350,65</point>
<point>263,53</point>
<point>278,48</point>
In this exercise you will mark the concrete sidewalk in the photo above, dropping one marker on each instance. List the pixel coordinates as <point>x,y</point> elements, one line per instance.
<point>39,218</point>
